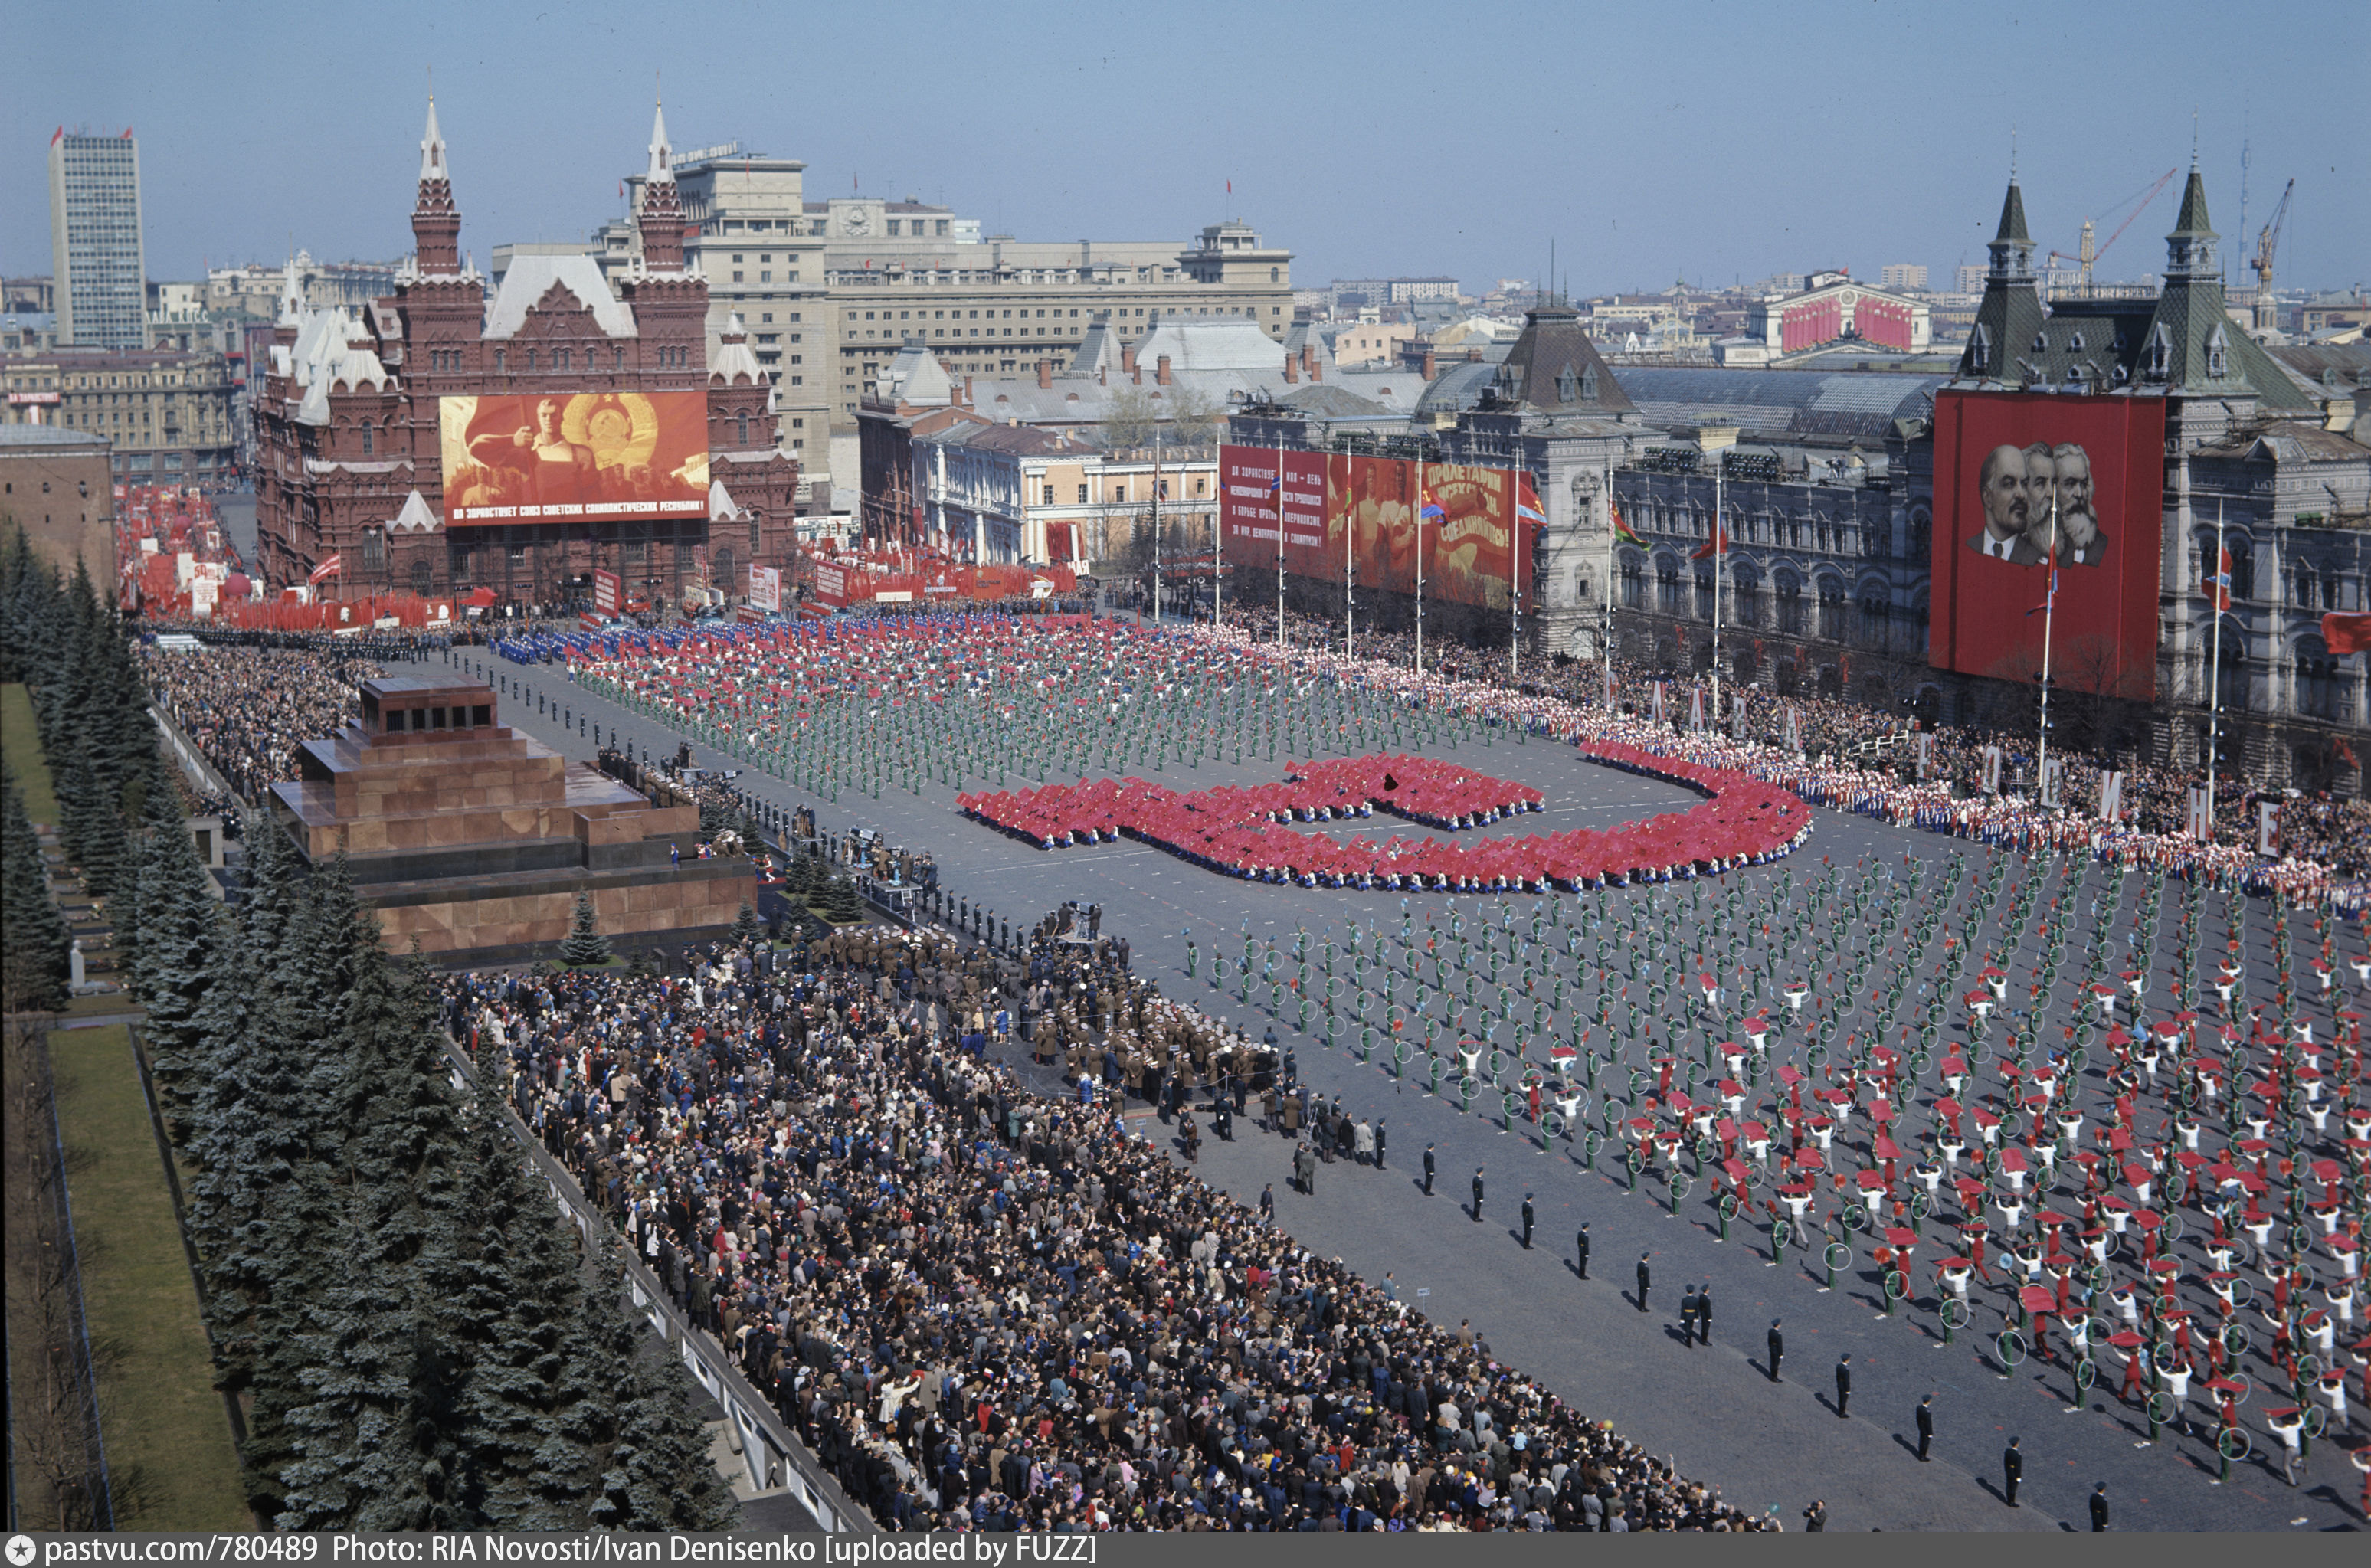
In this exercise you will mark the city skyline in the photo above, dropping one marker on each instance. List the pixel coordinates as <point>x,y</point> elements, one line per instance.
<point>1002,124</point>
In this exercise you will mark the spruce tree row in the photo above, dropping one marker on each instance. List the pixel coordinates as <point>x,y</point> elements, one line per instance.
<point>410,1324</point>
<point>408,1318</point>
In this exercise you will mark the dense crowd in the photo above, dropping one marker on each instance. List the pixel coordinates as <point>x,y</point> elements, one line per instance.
<point>987,1308</point>
<point>249,709</point>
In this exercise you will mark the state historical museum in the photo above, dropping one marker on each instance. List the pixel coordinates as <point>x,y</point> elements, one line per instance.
<point>445,441</point>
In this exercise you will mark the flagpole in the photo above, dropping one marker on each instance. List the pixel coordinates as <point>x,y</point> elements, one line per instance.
<point>1719,559</point>
<point>1419,562</point>
<point>1349,585</point>
<point>2049,616</point>
<point>2214,604</point>
<point>1155,524</point>
<point>1218,556</point>
<point>1605,589</point>
<point>1515,585</point>
<point>1280,539</point>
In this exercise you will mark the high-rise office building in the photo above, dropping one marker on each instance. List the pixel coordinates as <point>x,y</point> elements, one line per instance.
<point>102,271</point>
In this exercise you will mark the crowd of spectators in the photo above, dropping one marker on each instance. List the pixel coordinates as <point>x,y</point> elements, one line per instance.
<point>988,1307</point>
<point>249,708</point>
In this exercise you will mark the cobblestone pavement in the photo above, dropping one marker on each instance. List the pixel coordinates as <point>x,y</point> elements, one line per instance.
<point>1714,1409</point>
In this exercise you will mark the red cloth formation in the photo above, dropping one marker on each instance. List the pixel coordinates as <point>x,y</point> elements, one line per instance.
<point>1742,820</point>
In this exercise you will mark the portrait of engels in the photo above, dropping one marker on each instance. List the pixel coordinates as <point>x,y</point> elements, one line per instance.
<point>2026,490</point>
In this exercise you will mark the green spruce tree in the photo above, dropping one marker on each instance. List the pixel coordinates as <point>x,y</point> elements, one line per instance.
<point>181,927</point>
<point>745,929</point>
<point>584,946</point>
<point>839,903</point>
<point>34,939</point>
<point>353,1431</point>
<point>298,1265</point>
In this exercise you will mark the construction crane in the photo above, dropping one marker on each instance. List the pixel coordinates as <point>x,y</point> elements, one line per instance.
<point>2086,254</point>
<point>2267,315</point>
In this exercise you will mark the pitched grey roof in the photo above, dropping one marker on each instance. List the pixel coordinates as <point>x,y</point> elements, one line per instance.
<point>1772,405</point>
<point>1220,343</point>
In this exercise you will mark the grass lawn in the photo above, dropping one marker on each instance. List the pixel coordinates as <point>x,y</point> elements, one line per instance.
<point>169,1442</point>
<point>20,742</point>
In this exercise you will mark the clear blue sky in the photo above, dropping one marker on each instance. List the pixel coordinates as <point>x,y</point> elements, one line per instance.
<point>1696,137</point>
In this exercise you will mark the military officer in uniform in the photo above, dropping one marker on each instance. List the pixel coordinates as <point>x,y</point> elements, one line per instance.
<point>1925,1426</point>
<point>1688,1317</point>
<point>1704,1313</point>
<point>1477,1195</point>
<point>2012,1469</point>
<point>1428,1171</point>
<point>1527,1222</point>
<point>1843,1388</point>
<point>1778,1349</point>
<point>1581,1245</point>
<point>1646,1278</point>
<point>2100,1508</point>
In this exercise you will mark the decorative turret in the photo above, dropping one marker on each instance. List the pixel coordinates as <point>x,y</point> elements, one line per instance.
<point>435,222</point>
<point>2012,247</point>
<point>2190,248</point>
<point>292,299</point>
<point>661,219</point>
<point>2011,314</point>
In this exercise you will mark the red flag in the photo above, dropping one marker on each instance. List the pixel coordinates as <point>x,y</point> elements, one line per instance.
<point>2217,586</point>
<point>2344,634</point>
<point>328,569</point>
<point>1717,545</point>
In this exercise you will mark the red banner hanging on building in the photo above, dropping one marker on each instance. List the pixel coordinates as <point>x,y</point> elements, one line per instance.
<point>2009,467</point>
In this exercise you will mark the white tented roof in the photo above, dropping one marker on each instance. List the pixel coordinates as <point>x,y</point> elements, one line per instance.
<point>529,278</point>
<point>415,517</point>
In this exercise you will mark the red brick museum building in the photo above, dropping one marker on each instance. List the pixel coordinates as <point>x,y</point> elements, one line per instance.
<point>359,414</point>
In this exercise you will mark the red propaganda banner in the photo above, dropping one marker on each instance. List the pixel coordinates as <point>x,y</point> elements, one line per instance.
<point>2009,468</point>
<point>1254,503</point>
<point>1344,514</point>
<point>607,593</point>
<point>606,455</point>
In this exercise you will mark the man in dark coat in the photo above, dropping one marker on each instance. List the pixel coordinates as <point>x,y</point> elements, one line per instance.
<point>1925,1426</point>
<point>1581,1245</point>
<point>1428,1171</point>
<point>1843,1388</point>
<point>2012,1469</point>
<point>1527,1222</point>
<point>1778,1349</point>
<point>1646,1278</point>
<point>1477,1195</point>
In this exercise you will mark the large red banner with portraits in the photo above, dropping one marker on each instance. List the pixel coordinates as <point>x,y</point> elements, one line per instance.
<point>1342,514</point>
<point>2027,479</point>
<point>562,454</point>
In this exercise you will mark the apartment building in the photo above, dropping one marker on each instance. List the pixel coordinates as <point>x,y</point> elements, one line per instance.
<point>166,412</point>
